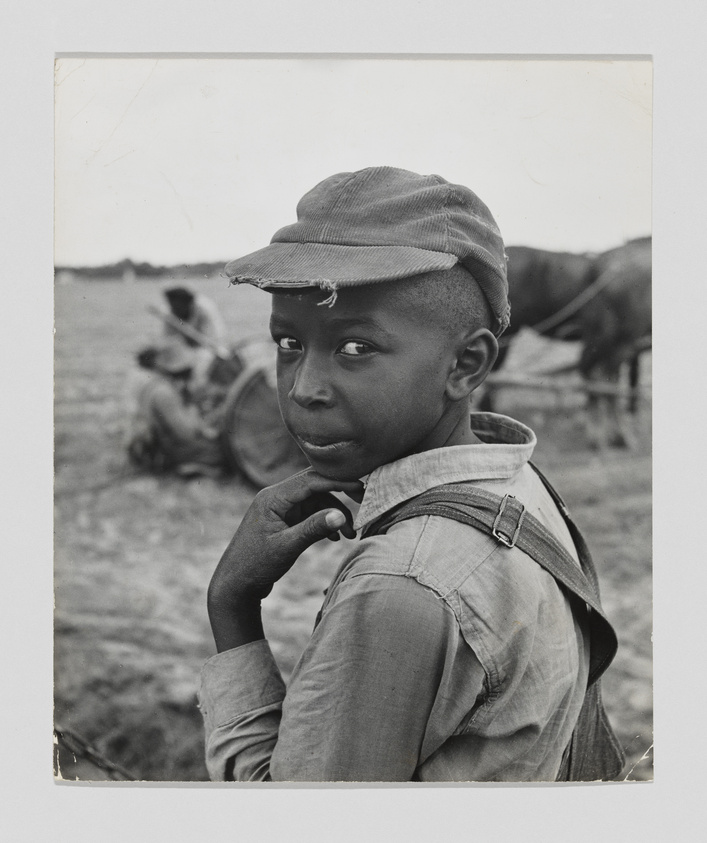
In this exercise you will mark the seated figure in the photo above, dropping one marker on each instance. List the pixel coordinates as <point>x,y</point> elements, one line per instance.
<point>169,433</point>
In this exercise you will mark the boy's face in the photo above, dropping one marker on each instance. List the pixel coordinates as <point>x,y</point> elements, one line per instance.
<point>361,383</point>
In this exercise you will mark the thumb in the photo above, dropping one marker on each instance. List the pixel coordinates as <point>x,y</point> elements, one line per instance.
<point>316,527</point>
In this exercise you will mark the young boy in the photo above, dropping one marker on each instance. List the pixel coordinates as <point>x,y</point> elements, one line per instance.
<point>440,654</point>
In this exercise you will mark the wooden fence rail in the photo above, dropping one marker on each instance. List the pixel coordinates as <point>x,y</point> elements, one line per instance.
<point>529,382</point>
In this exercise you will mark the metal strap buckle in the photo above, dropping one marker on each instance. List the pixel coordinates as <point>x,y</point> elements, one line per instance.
<point>509,541</point>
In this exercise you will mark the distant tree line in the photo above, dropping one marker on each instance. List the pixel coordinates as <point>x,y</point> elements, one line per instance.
<point>128,269</point>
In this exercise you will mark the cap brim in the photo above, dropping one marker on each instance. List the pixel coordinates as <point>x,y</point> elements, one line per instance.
<point>325,265</point>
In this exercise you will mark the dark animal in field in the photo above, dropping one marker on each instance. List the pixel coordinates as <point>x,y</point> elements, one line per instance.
<point>604,301</point>
<point>542,287</point>
<point>616,328</point>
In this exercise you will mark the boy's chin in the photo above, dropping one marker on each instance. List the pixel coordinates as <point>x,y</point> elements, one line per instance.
<point>341,474</point>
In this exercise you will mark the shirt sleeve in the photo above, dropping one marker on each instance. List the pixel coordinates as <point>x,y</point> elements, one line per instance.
<point>181,421</point>
<point>241,698</point>
<point>207,319</point>
<point>358,704</point>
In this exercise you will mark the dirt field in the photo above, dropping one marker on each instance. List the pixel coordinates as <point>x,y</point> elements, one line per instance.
<point>134,554</point>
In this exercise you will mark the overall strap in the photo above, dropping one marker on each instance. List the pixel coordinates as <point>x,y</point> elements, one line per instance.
<point>594,751</point>
<point>580,544</point>
<point>507,520</point>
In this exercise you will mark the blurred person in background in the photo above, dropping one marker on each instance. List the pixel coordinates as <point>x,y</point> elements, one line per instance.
<point>168,432</point>
<point>195,312</point>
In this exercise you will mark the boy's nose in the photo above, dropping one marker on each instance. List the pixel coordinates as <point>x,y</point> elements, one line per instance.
<point>311,386</point>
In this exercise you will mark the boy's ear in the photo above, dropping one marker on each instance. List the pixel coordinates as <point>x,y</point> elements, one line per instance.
<point>476,354</point>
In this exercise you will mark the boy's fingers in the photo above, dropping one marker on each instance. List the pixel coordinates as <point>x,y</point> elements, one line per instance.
<point>316,502</point>
<point>318,526</point>
<point>356,494</point>
<point>336,505</point>
<point>334,519</point>
<point>347,530</point>
<point>300,486</point>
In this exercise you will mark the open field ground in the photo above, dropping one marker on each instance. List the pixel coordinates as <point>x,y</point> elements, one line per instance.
<point>134,553</point>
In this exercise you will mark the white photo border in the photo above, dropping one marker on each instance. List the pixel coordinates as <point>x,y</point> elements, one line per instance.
<point>34,33</point>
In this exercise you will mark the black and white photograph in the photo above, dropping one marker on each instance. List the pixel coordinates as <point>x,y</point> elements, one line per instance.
<point>353,419</point>
<point>352,480</point>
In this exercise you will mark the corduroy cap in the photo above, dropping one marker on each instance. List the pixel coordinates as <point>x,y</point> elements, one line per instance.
<point>381,224</point>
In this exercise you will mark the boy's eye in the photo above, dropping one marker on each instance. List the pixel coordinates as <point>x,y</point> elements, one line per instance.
<point>352,348</point>
<point>288,343</point>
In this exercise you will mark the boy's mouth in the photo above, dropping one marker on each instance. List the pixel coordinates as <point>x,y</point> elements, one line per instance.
<point>322,445</point>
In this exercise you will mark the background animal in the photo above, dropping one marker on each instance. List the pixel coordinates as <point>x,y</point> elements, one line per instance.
<point>616,327</point>
<point>602,300</point>
<point>541,285</point>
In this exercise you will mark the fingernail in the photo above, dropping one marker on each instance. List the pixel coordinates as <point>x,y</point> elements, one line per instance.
<point>335,519</point>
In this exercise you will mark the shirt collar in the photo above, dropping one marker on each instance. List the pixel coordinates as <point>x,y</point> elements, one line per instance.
<point>506,447</point>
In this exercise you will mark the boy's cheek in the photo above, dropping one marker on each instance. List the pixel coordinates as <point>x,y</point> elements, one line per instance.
<point>283,391</point>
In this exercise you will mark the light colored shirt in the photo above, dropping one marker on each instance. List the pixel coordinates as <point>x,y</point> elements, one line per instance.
<point>440,655</point>
<point>165,415</point>
<point>205,318</point>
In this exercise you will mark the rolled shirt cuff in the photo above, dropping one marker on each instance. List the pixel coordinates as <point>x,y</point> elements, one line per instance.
<point>238,681</point>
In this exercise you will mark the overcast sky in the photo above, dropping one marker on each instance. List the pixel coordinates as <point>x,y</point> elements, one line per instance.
<point>184,160</point>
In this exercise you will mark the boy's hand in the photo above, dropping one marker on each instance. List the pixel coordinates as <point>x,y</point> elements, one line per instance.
<point>282,522</point>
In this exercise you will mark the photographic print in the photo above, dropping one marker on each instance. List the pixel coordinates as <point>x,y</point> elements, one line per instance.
<point>178,405</point>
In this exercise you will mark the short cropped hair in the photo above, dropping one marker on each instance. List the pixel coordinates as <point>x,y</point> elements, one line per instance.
<point>179,294</point>
<point>450,297</point>
<point>147,356</point>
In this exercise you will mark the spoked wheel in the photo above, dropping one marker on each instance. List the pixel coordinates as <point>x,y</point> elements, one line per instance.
<point>255,436</point>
